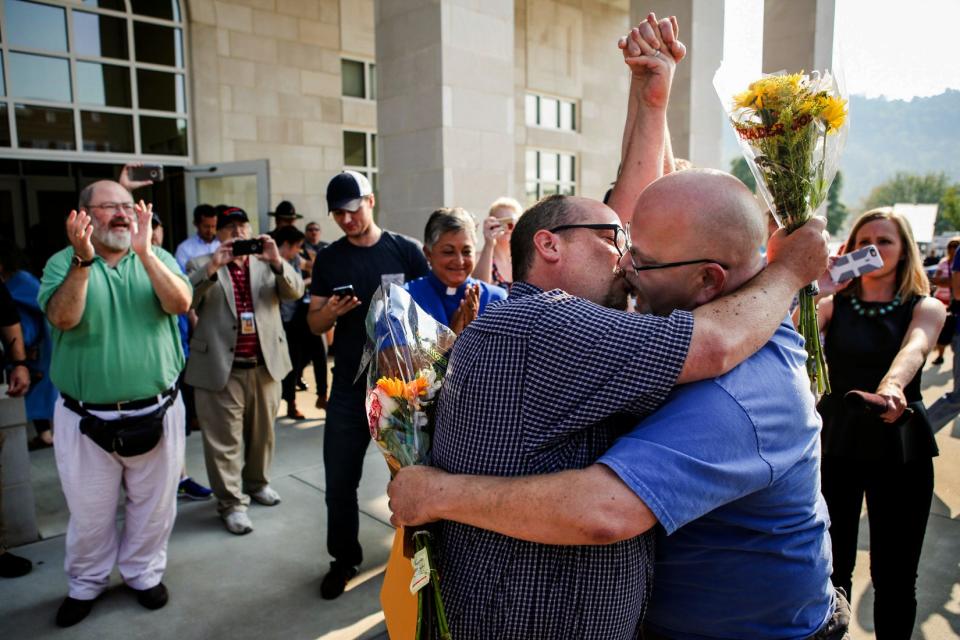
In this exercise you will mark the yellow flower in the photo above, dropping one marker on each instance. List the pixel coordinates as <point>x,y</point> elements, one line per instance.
<point>834,113</point>
<point>744,100</point>
<point>393,387</point>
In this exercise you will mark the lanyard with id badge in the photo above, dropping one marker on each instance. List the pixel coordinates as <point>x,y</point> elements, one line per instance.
<point>247,324</point>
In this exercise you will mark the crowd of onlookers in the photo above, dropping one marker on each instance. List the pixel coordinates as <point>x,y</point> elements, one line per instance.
<point>626,444</point>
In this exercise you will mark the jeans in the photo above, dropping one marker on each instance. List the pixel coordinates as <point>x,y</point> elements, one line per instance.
<point>898,505</point>
<point>345,440</point>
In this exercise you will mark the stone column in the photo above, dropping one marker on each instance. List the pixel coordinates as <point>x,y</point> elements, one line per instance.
<point>19,517</point>
<point>798,35</point>
<point>445,112</point>
<point>695,114</point>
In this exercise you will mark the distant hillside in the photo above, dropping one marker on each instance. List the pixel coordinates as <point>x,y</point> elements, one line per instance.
<point>886,136</point>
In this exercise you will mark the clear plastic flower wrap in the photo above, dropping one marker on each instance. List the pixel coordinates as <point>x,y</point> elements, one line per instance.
<point>791,129</point>
<point>405,360</point>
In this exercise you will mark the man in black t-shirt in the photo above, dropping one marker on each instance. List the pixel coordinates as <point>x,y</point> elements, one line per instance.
<point>366,257</point>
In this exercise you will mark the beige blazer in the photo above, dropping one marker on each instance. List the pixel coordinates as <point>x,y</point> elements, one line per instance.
<point>215,336</point>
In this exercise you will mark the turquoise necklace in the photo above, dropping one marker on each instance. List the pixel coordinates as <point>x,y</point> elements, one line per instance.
<point>873,312</point>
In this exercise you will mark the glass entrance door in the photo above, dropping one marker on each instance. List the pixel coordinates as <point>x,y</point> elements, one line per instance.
<point>243,184</point>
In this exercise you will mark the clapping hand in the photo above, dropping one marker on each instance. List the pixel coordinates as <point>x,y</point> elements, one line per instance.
<point>467,311</point>
<point>141,238</point>
<point>79,231</point>
<point>652,52</point>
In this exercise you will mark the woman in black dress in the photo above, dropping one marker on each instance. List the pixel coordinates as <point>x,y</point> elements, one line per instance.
<point>879,330</point>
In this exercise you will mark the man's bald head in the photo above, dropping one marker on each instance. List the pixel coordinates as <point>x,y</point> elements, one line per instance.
<point>701,231</point>
<point>708,213</point>
<point>88,193</point>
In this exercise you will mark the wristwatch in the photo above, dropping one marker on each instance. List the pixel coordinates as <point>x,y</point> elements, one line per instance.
<point>77,262</point>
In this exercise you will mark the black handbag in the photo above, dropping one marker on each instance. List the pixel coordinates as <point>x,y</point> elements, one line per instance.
<point>915,434</point>
<point>127,437</point>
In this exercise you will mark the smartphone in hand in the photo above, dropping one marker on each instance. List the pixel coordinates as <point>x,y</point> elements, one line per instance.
<point>144,172</point>
<point>247,247</point>
<point>855,264</point>
<point>346,291</point>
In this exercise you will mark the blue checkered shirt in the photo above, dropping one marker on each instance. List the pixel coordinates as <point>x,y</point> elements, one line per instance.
<point>544,382</point>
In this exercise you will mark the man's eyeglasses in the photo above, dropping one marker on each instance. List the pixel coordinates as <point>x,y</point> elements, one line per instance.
<point>620,238</point>
<point>667,265</point>
<point>114,206</point>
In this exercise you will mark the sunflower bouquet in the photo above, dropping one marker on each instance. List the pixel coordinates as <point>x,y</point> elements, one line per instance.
<point>791,129</point>
<point>405,360</point>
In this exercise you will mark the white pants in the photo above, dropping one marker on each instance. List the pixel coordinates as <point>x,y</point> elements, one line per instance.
<point>91,480</point>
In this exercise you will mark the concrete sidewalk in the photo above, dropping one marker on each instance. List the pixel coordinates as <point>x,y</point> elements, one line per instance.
<point>266,585</point>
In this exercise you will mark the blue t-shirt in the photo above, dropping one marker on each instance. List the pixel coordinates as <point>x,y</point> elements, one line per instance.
<point>441,301</point>
<point>731,469</point>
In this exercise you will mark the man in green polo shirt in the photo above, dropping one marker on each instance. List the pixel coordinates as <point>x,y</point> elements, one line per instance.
<point>113,299</point>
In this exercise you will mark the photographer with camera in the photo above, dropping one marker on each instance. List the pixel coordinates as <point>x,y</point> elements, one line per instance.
<point>238,356</point>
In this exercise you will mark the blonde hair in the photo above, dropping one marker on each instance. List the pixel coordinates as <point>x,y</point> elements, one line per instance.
<point>505,203</point>
<point>911,278</point>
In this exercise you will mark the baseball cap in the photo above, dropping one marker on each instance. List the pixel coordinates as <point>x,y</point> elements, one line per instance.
<point>231,215</point>
<point>346,190</point>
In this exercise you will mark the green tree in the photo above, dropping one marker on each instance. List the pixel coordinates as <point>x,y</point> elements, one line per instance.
<point>741,170</point>
<point>932,188</point>
<point>836,211</point>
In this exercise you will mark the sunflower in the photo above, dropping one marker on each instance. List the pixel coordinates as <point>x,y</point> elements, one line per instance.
<point>834,113</point>
<point>393,387</point>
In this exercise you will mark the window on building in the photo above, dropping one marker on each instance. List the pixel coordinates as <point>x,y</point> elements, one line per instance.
<point>97,77</point>
<point>359,79</point>
<point>551,113</point>
<point>360,154</point>
<point>549,173</point>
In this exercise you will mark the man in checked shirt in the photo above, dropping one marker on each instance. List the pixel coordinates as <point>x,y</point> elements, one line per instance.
<point>546,381</point>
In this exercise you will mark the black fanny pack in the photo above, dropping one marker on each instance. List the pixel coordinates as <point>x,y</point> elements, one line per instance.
<point>127,437</point>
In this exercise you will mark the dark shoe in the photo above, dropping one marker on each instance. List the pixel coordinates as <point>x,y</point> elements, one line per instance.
<point>336,581</point>
<point>294,414</point>
<point>938,360</point>
<point>192,490</point>
<point>12,566</point>
<point>321,402</point>
<point>152,598</point>
<point>72,611</point>
<point>36,442</point>
<point>301,385</point>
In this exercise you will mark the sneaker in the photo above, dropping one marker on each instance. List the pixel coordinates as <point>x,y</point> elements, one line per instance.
<point>938,360</point>
<point>336,580</point>
<point>321,402</point>
<point>238,523</point>
<point>12,566</point>
<point>192,490</point>
<point>153,598</point>
<point>301,385</point>
<point>72,611</point>
<point>266,496</point>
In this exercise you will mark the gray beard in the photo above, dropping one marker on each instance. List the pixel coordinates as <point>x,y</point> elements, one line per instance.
<point>118,240</point>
